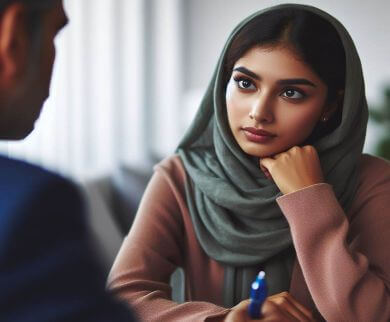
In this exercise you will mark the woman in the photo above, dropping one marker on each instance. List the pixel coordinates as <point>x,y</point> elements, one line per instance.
<point>270,176</point>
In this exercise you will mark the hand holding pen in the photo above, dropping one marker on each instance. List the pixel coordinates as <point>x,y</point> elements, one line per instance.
<point>278,307</point>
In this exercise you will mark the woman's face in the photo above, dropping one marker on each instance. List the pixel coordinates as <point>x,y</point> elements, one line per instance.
<point>273,101</point>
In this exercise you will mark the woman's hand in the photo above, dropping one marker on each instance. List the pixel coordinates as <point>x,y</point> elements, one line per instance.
<point>279,307</point>
<point>294,169</point>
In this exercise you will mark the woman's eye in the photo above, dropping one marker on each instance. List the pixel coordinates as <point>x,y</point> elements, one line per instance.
<point>244,83</point>
<point>293,93</point>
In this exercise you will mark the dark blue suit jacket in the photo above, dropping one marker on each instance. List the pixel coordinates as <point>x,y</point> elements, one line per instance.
<point>48,270</point>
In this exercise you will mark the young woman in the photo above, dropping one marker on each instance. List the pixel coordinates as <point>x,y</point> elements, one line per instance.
<point>270,176</point>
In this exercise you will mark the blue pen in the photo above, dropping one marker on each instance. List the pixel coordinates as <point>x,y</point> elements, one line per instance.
<point>257,296</point>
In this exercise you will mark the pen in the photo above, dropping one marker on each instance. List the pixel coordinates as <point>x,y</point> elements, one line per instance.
<point>258,295</point>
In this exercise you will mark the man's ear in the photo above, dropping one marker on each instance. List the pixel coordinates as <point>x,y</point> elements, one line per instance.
<point>14,43</point>
<point>333,106</point>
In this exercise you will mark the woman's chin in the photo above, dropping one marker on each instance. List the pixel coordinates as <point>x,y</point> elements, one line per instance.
<point>259,153</point>
<point>262,151</point>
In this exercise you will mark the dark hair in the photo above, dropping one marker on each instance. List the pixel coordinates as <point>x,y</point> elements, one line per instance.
<point>311,37</point>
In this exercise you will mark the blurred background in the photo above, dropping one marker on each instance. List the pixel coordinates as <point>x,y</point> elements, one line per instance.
<point>130,74</point>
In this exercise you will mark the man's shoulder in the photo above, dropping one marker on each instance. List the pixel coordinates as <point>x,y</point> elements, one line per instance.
<point>36,204</point>
<point>27,190</point>
<point>20,175</point>
<point>13,167</point>
<point>45,250</point>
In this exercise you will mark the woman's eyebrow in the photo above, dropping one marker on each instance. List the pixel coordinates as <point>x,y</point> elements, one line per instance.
<point>288,81</point>
<point>247,72</point>
<point>296,81</point>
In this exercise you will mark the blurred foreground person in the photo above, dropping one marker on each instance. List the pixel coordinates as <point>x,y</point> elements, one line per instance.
<point>47,268</point>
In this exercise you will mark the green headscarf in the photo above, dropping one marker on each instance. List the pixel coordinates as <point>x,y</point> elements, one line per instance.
<point>232,204</point>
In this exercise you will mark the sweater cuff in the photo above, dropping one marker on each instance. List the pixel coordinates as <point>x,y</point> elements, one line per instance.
<point>309,206</point>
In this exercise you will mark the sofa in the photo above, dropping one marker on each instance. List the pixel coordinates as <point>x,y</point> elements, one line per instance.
<point>112,205</point>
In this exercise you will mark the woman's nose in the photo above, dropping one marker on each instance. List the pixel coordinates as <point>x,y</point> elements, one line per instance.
<point>261,110</point>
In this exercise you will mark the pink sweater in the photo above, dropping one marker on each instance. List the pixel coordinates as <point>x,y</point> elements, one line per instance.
<point>342,268</point>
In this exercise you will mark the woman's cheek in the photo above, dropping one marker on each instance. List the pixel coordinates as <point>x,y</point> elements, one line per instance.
<point>299,126</point>
<point>234,106</point>
<point>236,111</point>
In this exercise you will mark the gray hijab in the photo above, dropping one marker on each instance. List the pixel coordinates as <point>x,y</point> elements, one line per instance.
<point>233,205</point>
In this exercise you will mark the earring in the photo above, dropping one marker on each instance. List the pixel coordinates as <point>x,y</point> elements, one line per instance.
<point>324,119</point>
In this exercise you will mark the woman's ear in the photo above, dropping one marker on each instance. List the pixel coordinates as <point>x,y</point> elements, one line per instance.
<point>333,106</point>
<point>14,43</point>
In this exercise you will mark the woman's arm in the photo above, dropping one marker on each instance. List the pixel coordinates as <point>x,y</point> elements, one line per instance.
<point>153,249</point>
<point>345,264</point>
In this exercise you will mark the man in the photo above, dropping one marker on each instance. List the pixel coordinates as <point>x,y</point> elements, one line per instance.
<point>47,268</point>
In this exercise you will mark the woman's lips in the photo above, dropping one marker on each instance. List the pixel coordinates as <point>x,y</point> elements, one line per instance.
<point>257,135</point>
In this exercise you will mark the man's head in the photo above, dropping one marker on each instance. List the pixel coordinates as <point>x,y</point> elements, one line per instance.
<point>27,52</point>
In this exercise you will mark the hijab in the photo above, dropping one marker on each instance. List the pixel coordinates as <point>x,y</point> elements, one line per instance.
<point>233,205</point>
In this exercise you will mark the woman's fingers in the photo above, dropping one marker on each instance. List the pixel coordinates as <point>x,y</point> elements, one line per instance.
<point>239,313</point>
<point>266,164</point>
<point>274,312</point>
<point>281,307</point>
<point>302,308</point>
<point>295,169</point>
<point>265,168</point>
<point>291,307</point>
